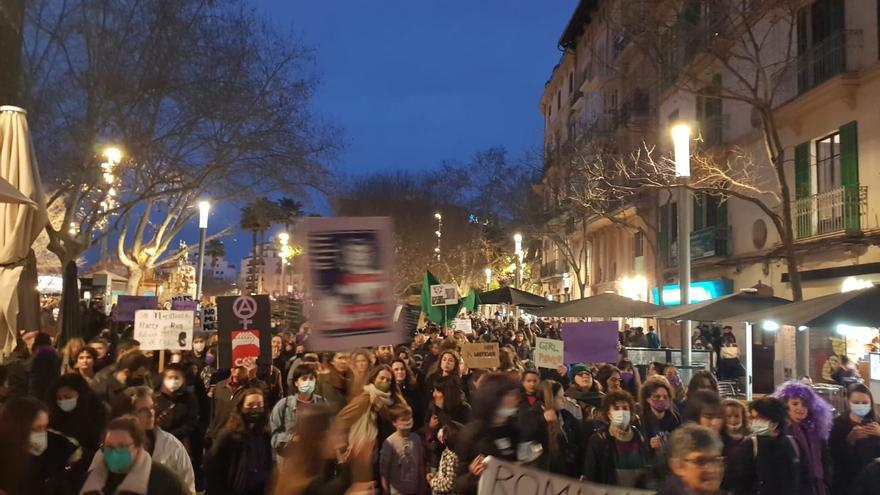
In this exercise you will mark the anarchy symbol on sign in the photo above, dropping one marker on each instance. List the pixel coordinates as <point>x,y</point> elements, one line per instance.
<point>244,308</point>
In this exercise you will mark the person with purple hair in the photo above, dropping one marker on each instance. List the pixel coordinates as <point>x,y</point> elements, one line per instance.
<point>810,419</point>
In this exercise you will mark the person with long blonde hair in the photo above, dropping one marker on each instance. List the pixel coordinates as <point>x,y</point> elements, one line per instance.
<point>564,434</point>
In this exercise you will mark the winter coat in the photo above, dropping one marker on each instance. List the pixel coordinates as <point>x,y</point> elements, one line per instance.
<point>50,473</point>
<point>237,462</point>
<point>764,466</point>
<point>333,387</point>
<point>178,413</point>
<point>222,403</point>
<point>169,452</point>
<point>480,438</point>
<point>145,477</point>
<point>849,459</point>
<point>599,463</point>
<point>282,420</point>
<point>45,368</point>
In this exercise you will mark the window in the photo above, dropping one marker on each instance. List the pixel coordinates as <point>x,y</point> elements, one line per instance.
<point>638,244</point>
<point>828,163</point>
<point>821,42</point>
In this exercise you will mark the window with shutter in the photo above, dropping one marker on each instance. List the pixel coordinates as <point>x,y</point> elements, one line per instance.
<point>849,175</point>
<point>802,190</point>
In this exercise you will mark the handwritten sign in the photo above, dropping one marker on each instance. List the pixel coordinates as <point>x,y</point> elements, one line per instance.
<point>507,477</point>
<point>127,305</point>
<point>463,325</point>
<point>549,353</point>
<point>163,330</point>
<point>481,355</point>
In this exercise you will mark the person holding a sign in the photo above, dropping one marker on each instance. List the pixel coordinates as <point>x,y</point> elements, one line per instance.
<point>617,455</point>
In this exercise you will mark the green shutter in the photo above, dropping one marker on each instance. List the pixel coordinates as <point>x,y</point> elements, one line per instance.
<point>849,174</point>
<point>721,212</point>
<point>664,235</point>
<point>699,202</point>
<point>802,188</point>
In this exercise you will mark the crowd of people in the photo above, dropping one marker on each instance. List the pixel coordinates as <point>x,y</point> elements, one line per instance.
<point>100,417</point>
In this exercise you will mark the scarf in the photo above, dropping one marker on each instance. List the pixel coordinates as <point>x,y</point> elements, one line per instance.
<point>810,447</point>
<point>137,480</point>
<point>621,435</point>
<point>364,429</point>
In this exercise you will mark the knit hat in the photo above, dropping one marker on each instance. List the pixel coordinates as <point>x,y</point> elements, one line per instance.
<point>578,368</point>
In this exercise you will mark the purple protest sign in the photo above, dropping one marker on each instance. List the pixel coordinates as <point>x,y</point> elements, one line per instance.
<point>183,305</point>
<point>593,342</point>
<point>127,305</point>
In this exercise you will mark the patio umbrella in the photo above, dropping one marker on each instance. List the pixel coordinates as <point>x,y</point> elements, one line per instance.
<point>515,297</point>
<point>607,305</point>
<point>19,223</point>
<point>721,308</point>
<point>9,194</point>
<point>855,308</point>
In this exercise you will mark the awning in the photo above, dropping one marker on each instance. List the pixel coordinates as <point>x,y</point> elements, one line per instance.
<point>606,305</point>
<point>859,308</point>
<point>721,308</point>
<point>515,297</point>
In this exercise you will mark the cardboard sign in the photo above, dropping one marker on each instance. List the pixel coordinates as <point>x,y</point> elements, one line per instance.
<point>127,305</point>
<point>549,353</point>
<point>163,330</point>
<point>482,355</point>
<point>463,325</point>
<point>249,314</point>
<point>349,274</point>
<point>444,295</point>
<point>592,342</point>
<point>510,478</point>
<point>245,345</point>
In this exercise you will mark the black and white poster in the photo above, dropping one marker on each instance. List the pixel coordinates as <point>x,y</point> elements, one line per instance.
<point>244,330</point>
<point>349,277</point>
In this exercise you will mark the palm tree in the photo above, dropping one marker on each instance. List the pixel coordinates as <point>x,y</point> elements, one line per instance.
<point>288,211</point>
<point>215,249</point>
<point>250,222</point>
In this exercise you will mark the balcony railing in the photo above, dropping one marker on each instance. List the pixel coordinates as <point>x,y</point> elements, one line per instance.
<point>841,209</point>
<point>705,243</point>
<point>836,54</point>
<point>552,269</point>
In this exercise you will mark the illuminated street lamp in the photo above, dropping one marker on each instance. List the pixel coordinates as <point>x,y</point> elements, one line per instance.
<point>488,277</point>
<point>438,233</point>
<point>204,210</point>
<point>517,246</point>
<point>681,142</point>
<point>284,254</point>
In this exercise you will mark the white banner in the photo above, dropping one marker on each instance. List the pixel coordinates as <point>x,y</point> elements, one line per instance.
<point>505,478</point>
<point>163,330</point>
<point>463,325</point>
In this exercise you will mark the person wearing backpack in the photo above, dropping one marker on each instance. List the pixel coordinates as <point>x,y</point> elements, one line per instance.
<point>282,421</point>
<point>766,463</point>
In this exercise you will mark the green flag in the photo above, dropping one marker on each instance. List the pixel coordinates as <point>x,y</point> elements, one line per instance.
<point>436,314</point>
<point>471,302</point>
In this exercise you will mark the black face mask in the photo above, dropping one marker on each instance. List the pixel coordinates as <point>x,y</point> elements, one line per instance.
<point>252,416</point>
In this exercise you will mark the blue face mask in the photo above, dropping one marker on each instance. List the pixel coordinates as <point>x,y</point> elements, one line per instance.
<point>117,460</point>
<point>860,410</point>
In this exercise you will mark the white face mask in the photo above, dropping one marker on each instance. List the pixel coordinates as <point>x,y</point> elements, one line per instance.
<point>175,358</point>
<point>172,384</point>
<point>620,419</point>
<point>305,387</point>
<point>67,405</point>
<point>198,346</point>
<point>762,428</point>
<point>39,442</point>
<point>405,426</point>
<point>860,410</point>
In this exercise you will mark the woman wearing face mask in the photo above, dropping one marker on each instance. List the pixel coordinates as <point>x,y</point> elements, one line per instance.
<point>617,456</point>
<point>35,460</point>
<point>810,420</point>
<point>282,421</point>
<point>855,438</point>
<point>177,409</point>
<point>77,412</point>
<point>736,422</point>
<point>630,380</point>
<point>564,435</point>
<point>124,465</point>
<point>240,462</point>
<point>767,462</point>
<point>492,431</point>
<point>672,376</point>
<point>659,417</point>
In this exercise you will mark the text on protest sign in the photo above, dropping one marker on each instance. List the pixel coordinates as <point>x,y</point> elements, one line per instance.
<point>506,478</point>
<point>549,353</point>
<point>243,329</point>
<point>163,330</point>
<point>480,356</point>
<point>463,325</point>
<point>444,295</point>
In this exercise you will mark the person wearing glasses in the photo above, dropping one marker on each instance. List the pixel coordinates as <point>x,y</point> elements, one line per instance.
<point>695,459</point>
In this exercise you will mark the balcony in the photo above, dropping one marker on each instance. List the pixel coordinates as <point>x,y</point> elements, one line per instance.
<point>838,210</point>
<point>705,243</point>
<point>836,54</point>
<point>552,269</point>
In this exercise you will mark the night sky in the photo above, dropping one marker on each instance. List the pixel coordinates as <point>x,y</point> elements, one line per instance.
<point>414,82</point>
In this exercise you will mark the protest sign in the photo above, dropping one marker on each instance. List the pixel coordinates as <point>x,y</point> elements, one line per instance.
<point>243,323</point>
<point>482,355</point>
<point>127,305</point>
<point>163,330</point>
<point>444,295</point>
<point>463,325</point>
<point>590,342</point>
<point>549,353</point>
<point>509,478</point>
<point>183,305</point>
<point>349,273</point>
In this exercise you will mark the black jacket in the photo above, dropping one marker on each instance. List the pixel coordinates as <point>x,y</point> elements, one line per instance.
<point>566,455</point>
<point>177,413</point>
<point>849,459</point>
<point>50,473</point>
<point>774,471</point>
<point>230,466</point>
<point>599,465</point>
<point>480,438</point>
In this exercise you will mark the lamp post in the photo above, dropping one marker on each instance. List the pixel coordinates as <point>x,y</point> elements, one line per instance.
<point>681,141</point>
<point>204,209</point>
<point>488,273</point>
<point>438,233</point>
<point>284,239</point>
<point>517,244</point>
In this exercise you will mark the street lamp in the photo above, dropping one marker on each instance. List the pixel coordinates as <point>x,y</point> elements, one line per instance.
<point>284,239</point>
<point>488,272</point>
<point>681,141</point>
<point>517,245</point>
<point>438,233</point>
<point>204,209</point>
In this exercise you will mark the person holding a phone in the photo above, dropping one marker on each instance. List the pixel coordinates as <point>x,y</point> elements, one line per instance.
<point>854,439</point>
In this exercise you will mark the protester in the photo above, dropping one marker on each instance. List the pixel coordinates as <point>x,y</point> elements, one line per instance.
<point>810,422</point>
<point>447,366</point>
<point>695,459</point>
<point>702,380</point>
<point>45,366</point>
<point>448,399</point>
<point>224,396</point>
<point>401,463</point>
<point>124,466</point>
<point>585,390</point>
<point>177,409</point>
<point>630,380</point>
<point>333,385</point>
<point>361,361</point>
<point>854,440</point>
<point>133,370</point>
<point>766,463</point>
<point>69,354</point>
<point>442,481</point>
<point>362,416</point>
<point>672,376</point>
<point>407,384</point>
<point>659,417</point>
<point>85,364</point>
<point>565,452</point>
<point>283,419</point>
<point>240,461</point>
<point>77,412</point>
<point>736,422</point>
<point>609,378</point>
<point>102,349</point>
<point>162,446</point>
<point>617,455</point>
